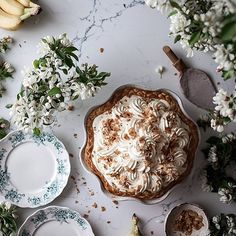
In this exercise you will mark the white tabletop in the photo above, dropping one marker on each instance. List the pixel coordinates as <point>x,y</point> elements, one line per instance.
<point>132,36</point>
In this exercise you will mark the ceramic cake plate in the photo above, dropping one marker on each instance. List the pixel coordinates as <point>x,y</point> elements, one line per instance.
<point>54,220</point>
<point>121,198</point>
<point>33,169</point>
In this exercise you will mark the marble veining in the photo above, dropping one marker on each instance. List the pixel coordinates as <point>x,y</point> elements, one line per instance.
<point>132,35</point>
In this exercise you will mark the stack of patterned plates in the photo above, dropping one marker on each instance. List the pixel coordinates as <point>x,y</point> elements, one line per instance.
<point>34,170</point>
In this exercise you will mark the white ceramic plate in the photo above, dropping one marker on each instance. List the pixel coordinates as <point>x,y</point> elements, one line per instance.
<point>54,220</point>
<point>119,198</point>
<point>170,219</point>
<point>33,169</point>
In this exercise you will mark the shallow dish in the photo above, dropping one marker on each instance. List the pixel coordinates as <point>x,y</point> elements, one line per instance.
<point>55,220</point>
<point>118,91</point>
<point>169,223</point>
<point>33,169</point>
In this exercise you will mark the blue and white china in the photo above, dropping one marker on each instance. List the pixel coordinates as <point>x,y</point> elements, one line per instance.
<point>55,220</point>
<point>33,169</point>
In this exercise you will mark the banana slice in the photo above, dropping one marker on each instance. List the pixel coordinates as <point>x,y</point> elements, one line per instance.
<point>12,7</point>
<point>135,229</point>
<point>9,22</point>
<point>27,3</point>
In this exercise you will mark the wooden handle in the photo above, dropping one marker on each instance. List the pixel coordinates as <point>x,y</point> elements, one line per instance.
<point>170,54</point>
<point>177,62</point>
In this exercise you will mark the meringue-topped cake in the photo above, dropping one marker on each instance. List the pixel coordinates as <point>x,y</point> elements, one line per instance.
<point>139,143</point>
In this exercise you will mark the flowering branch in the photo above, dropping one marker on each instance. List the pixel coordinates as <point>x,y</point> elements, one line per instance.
<point>6,69</point>
<point>223,225</point>
<point>54,80</point>
<point>224,113</point>
<point>8,217</point>
<point>206,25</point>
<point>220,153</point>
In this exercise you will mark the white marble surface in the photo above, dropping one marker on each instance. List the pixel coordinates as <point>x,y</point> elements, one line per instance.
<point>132,36</point>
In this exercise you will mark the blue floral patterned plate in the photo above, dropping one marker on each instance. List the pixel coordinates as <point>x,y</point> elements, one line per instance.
<point>54,220</point>
<point>33,169</point>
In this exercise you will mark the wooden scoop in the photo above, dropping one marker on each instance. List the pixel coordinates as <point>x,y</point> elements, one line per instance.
<point>196,85</point>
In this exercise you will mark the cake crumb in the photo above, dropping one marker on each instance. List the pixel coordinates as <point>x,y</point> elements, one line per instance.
<point>86,216</point>
<point>71,108</point>
<point>152,232</point>
<point>103,208</point>
<point>71,155</point>
<point>108,222</point>
<point>95,205</point>
<point>115,202</point>
<point>75,135</point>
<point>101,50</point>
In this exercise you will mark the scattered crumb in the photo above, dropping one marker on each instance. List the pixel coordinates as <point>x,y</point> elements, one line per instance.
<point>20,45</point>
<point>108,222</point>
<point>218,83</point>
<point>71,155</point>
<point>124,5</point>
<point>117,207</point>
<point>84,183</point>
<point>76,186</point>
<point>95,205</point>
<point>115,202</point>
<point>59,126</point>
<point>152,232</point>
<point>103,208</point>
<point>71,108</point>
<point>175,73</point>
<point>79,147</point>
<point>101,50</point>
<point>75,135</point>
<point>86,216</point>
<point>24,41</point>
<point>89,211</point>
<point>76,202</point>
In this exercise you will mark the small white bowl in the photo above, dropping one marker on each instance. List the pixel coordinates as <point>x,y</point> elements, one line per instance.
<point>170,218</point>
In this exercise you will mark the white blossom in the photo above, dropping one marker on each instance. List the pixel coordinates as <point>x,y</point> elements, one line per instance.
<point>7,205</point>
<point>225,195</point>
<point>225,57</point>
<point>204,183</point>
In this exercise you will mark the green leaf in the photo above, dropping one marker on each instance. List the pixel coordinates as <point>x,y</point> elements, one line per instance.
<point>228,74</point>
<point>2,133</point>
<point>37,131</point>
<point>194,38</point>
<point>65,71</point>
<point>54,91</point>
<point>103,75</point>
<point>172,13</point>
<point>213,140</point>
<point>175,5</point>
<point>177,38</point>
<point>70,49</point>
<point>36,64</point>
<point>228,31</point>
<point>8,106</point>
